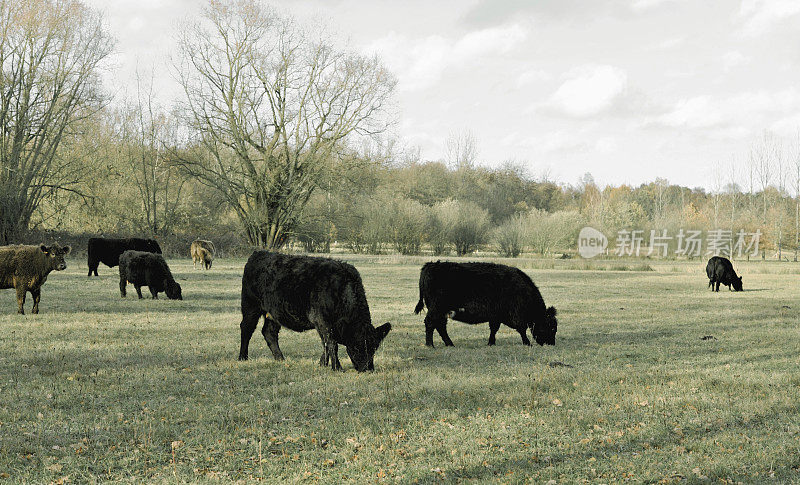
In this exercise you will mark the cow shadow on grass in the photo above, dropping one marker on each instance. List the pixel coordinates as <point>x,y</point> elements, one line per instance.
<point>555,459</point>
<point>131,305</point>
<point>110,301</point>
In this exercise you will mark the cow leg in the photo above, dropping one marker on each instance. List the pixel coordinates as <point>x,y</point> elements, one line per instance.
<point>323,359</point>
<point>430,325</point>
<point>93,267</point>
<point>717,289</point>
<point>333,352</point>
<point>138,291</point>
<point>330,352</point>
<point>330,347</point>
<point>711,284</point>
<point>248,326</point>
<point>153,293</point>
<point>123,287</point>
<point>21,290</point>
<point>442,329</point>
<point>493,328</point>
<point>438,322</point>
<point>37,295</point>
<point>270,332</point>
<point>524,334</point>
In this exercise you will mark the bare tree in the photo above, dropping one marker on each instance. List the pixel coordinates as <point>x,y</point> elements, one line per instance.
<point>780,175</point>
<point>660,185</point>
<point>147,132</point>
<point>732,188</point>
<point>461,149</point>
<point>269,107</point>
<point>763,155</point>
<point>50,52</point>
<point>716,191</point>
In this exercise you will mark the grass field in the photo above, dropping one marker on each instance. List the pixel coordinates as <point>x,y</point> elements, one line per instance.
<point>97,388</point>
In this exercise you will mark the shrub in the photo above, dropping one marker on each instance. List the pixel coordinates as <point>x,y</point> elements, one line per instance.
<point>465,224</point>
<point>368,226</point>
<point>548,232</point>
<point>511,236</point>
<point>407,225</point>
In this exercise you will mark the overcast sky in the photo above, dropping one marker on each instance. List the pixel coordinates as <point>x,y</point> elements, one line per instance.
<point>628,90</point>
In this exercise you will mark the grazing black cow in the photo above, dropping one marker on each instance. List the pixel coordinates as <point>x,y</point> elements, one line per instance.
<point>147,269</point>
<point>483,292</point>
<point>302,293</point>
<point>108,250</point>
<point>720,271</point>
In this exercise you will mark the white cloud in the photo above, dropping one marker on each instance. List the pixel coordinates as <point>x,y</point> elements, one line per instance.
<point>733,116</point>
<point>606,145</point>
<point>419,63</point>
<point>696,112</point>
<point>639,5</point>
<point>667,44</point>
<point>555,142</point>
<point>532,76</point>
<point>588,91</point>
<point>733,59</point>
<point>760,15</point>
<point>489,41</point>
<point>788,127</point>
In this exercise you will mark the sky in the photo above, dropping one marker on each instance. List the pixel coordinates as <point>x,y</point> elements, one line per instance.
<point>627,90</point>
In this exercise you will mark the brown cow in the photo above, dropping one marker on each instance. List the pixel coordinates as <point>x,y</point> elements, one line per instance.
<point>202,251</point>
<point>25,268</point>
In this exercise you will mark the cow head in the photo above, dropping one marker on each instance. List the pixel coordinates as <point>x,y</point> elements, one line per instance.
<point>172,289</point>
<point>737,283</point>
<point>56,254</point>
<point>545,331</point>
<point>363,351</point>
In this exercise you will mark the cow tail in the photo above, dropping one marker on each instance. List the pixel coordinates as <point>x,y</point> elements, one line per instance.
<point>420,303</point>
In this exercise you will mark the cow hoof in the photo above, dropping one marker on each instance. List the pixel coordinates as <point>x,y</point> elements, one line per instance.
<point>242,357</point>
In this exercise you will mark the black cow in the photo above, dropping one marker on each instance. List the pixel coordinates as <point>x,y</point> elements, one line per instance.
<point>302,293</point>
<point>147,269</point>
<point>108,250</point>
<point>483,292</point>
<point>720,271</point>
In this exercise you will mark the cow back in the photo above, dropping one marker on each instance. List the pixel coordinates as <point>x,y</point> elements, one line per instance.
<point>290,287</point>
<point>478,291</point>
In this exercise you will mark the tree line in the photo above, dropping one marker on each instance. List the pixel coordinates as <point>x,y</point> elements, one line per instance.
<point>281,138</point>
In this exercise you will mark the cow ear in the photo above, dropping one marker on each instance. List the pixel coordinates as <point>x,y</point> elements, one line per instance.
<point>66,249</point>
<point>382,331</point>
<point>44,248</point>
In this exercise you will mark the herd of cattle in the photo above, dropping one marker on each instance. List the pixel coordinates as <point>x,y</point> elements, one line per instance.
<point>303,293</point>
